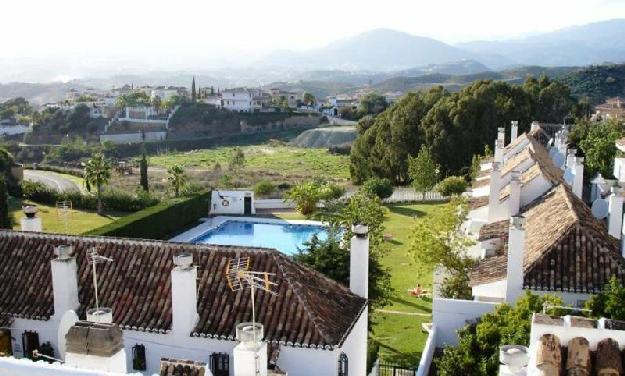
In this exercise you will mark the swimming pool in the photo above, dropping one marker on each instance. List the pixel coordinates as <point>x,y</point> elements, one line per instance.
<point>285,237</point>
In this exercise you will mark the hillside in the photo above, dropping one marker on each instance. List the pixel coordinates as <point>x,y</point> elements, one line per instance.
<point>325,137</point>
<point>597,82</point>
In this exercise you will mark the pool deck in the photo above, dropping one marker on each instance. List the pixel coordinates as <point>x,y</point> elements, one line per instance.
<point>213,222</point>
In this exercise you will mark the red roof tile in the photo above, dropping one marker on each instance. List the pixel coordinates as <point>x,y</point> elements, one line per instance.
<point>308,310</point>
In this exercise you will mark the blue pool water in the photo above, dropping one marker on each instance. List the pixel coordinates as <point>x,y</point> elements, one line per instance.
<point>286,238</point>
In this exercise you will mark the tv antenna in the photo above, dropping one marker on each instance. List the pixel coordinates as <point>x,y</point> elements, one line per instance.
<point>63,211</point>
<point>94,259</point>
<point>240,277</point>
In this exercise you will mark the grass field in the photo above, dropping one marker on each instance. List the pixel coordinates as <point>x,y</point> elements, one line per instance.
<point>283,160</point>
<point>397,327</point>
<point>78,221</point>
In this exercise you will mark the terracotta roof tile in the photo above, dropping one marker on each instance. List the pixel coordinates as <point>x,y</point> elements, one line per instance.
<point>478,202</point>
<point>308,310</point>
<point>497,229</point>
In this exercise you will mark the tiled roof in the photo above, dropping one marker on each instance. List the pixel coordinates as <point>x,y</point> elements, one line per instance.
<point>308,310</point>
<point>477,202</point>
<point>173,367</point>
<point>566,249</point>
<point>497,229</point>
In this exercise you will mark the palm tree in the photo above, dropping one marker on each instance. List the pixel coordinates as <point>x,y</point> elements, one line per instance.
<point>97,174</point>
<point>177,178</point>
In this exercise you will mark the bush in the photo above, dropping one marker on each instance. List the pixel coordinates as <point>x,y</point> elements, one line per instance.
<point>160,221</point>
<point>263,188</point>
<point>112,199</point>
<point>378,187</point>
<point>451,186</point>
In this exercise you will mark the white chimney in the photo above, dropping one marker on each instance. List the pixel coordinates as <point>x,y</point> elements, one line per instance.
<point>359,261</point>
<point>570,157</point>
<point>30,221</point>
<point>514,200</point>
<point>250,355</point>
<point>95,346</point>
<point>516,250</point>
<point>501,134</point>
<point>64,280</point>
<point>183,295</point>
<point>578,180</point>
<point>495,191</point>
<point>514,130</point>
<point>499,151</point>
<point>615,217</point>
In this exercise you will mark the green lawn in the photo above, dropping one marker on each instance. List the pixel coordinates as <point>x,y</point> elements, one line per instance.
<point>281,160</point>
<point>397,327</point>
<point>78,221</point>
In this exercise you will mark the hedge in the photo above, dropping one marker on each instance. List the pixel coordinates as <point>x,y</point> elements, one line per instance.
<point>158,222</point>
<point>115,200</point>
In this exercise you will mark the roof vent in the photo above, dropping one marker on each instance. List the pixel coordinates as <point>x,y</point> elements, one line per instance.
<point>63,252</point>
<point>249,333</point>
<point>360,230</point>
<point>514,356</point>
<point>30,210</point>
<point>183,260</point>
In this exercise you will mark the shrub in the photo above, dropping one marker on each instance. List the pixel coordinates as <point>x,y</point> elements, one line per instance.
<point>451,186</point>
<point>263,188</point>
<point>307,195</point>
<point>378,187</point>
<point>160,221</point>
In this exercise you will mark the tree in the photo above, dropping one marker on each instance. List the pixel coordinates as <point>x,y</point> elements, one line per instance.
<point>437,240</point>
<point>193,93</point>
<point>306,195</point>
<point>135,99</point>
<point>372,104</point>
<point>423,170</point>
<point>477,352</point>
<point>177,179</point>
<point>598,145</point>
<point>97,174</point>
<point>237,160</point>
<point>309,99</point>
<point>5,218</point>
<point>143,170</point>
<point>610,302</point>
<point>451,186</point>
<point>382,188</point>
<point>157,103</point>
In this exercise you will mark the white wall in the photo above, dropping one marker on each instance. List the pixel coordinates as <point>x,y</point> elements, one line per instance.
<point>25,367</point>
<point>355,347</point>
<point>273,203</point>
<point>619,169</point>
<point>492,290</point>
<point>14,129</point>
<point>449,315</point>
<point>428,353</point>
<point>127,138</point>
<point>230,202</point>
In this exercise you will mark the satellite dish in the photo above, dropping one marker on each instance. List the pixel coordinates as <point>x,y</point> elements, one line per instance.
<point>600,208</point>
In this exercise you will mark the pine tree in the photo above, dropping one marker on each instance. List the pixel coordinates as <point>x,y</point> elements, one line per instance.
<point>5,219</point>
<point>193,93</point>
<point>143,170</point>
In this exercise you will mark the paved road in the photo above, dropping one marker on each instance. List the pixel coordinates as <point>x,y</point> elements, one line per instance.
<point>51,179</point>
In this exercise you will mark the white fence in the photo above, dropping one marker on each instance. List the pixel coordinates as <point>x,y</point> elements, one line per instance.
<point>272,203</point>
<point>409,195</point>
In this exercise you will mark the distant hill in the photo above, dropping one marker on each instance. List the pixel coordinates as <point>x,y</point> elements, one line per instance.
<point>379,50</point>
<point>593,43</point>
<point>597,82</point>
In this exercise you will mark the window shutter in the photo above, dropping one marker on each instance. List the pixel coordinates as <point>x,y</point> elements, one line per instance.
<point>138,358</point>
<point>30,343</point>
<point>343,365</point>
<point>220,364</point>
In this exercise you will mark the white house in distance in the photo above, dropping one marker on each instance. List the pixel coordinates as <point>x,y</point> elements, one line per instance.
<point>173,300</point>
<point>239,100</point>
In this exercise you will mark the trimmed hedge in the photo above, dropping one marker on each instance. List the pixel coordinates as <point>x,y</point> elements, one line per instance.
<point>115,200</point>
<point>160,221</point>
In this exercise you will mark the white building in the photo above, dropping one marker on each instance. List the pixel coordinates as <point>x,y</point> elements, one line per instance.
<point>239,100</point>
<point>172,300</point>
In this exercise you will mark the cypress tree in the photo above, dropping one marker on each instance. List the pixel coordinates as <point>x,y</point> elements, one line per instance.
<point>143,170</point>
<point>5,219</point>
<point>193,93</point>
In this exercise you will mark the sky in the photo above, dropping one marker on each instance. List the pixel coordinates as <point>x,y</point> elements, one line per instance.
<point>167,32</point>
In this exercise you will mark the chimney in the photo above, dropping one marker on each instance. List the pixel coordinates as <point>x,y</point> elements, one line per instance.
<point>501,134</point>
<point>570,157</point>
<point>95,346</point>
<point>64,280</point>
<point>183,295</point>
<point>250,355</point>
<point>578,179</point>
<point>615,217</point>
<point>516,249</point>
<point>495,188</point>
<point>499,151</point>
<point>30,221</point>
<point>359,261</point>
<point>514,200</point>
<point>514,130</point>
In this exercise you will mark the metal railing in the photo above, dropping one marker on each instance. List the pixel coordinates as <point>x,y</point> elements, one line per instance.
<point>386,369</point>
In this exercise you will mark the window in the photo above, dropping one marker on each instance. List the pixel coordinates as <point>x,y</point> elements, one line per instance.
<point>343,367</point>
<point>138,358</point>
<point>30,343</point>
<point>220,364</point>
